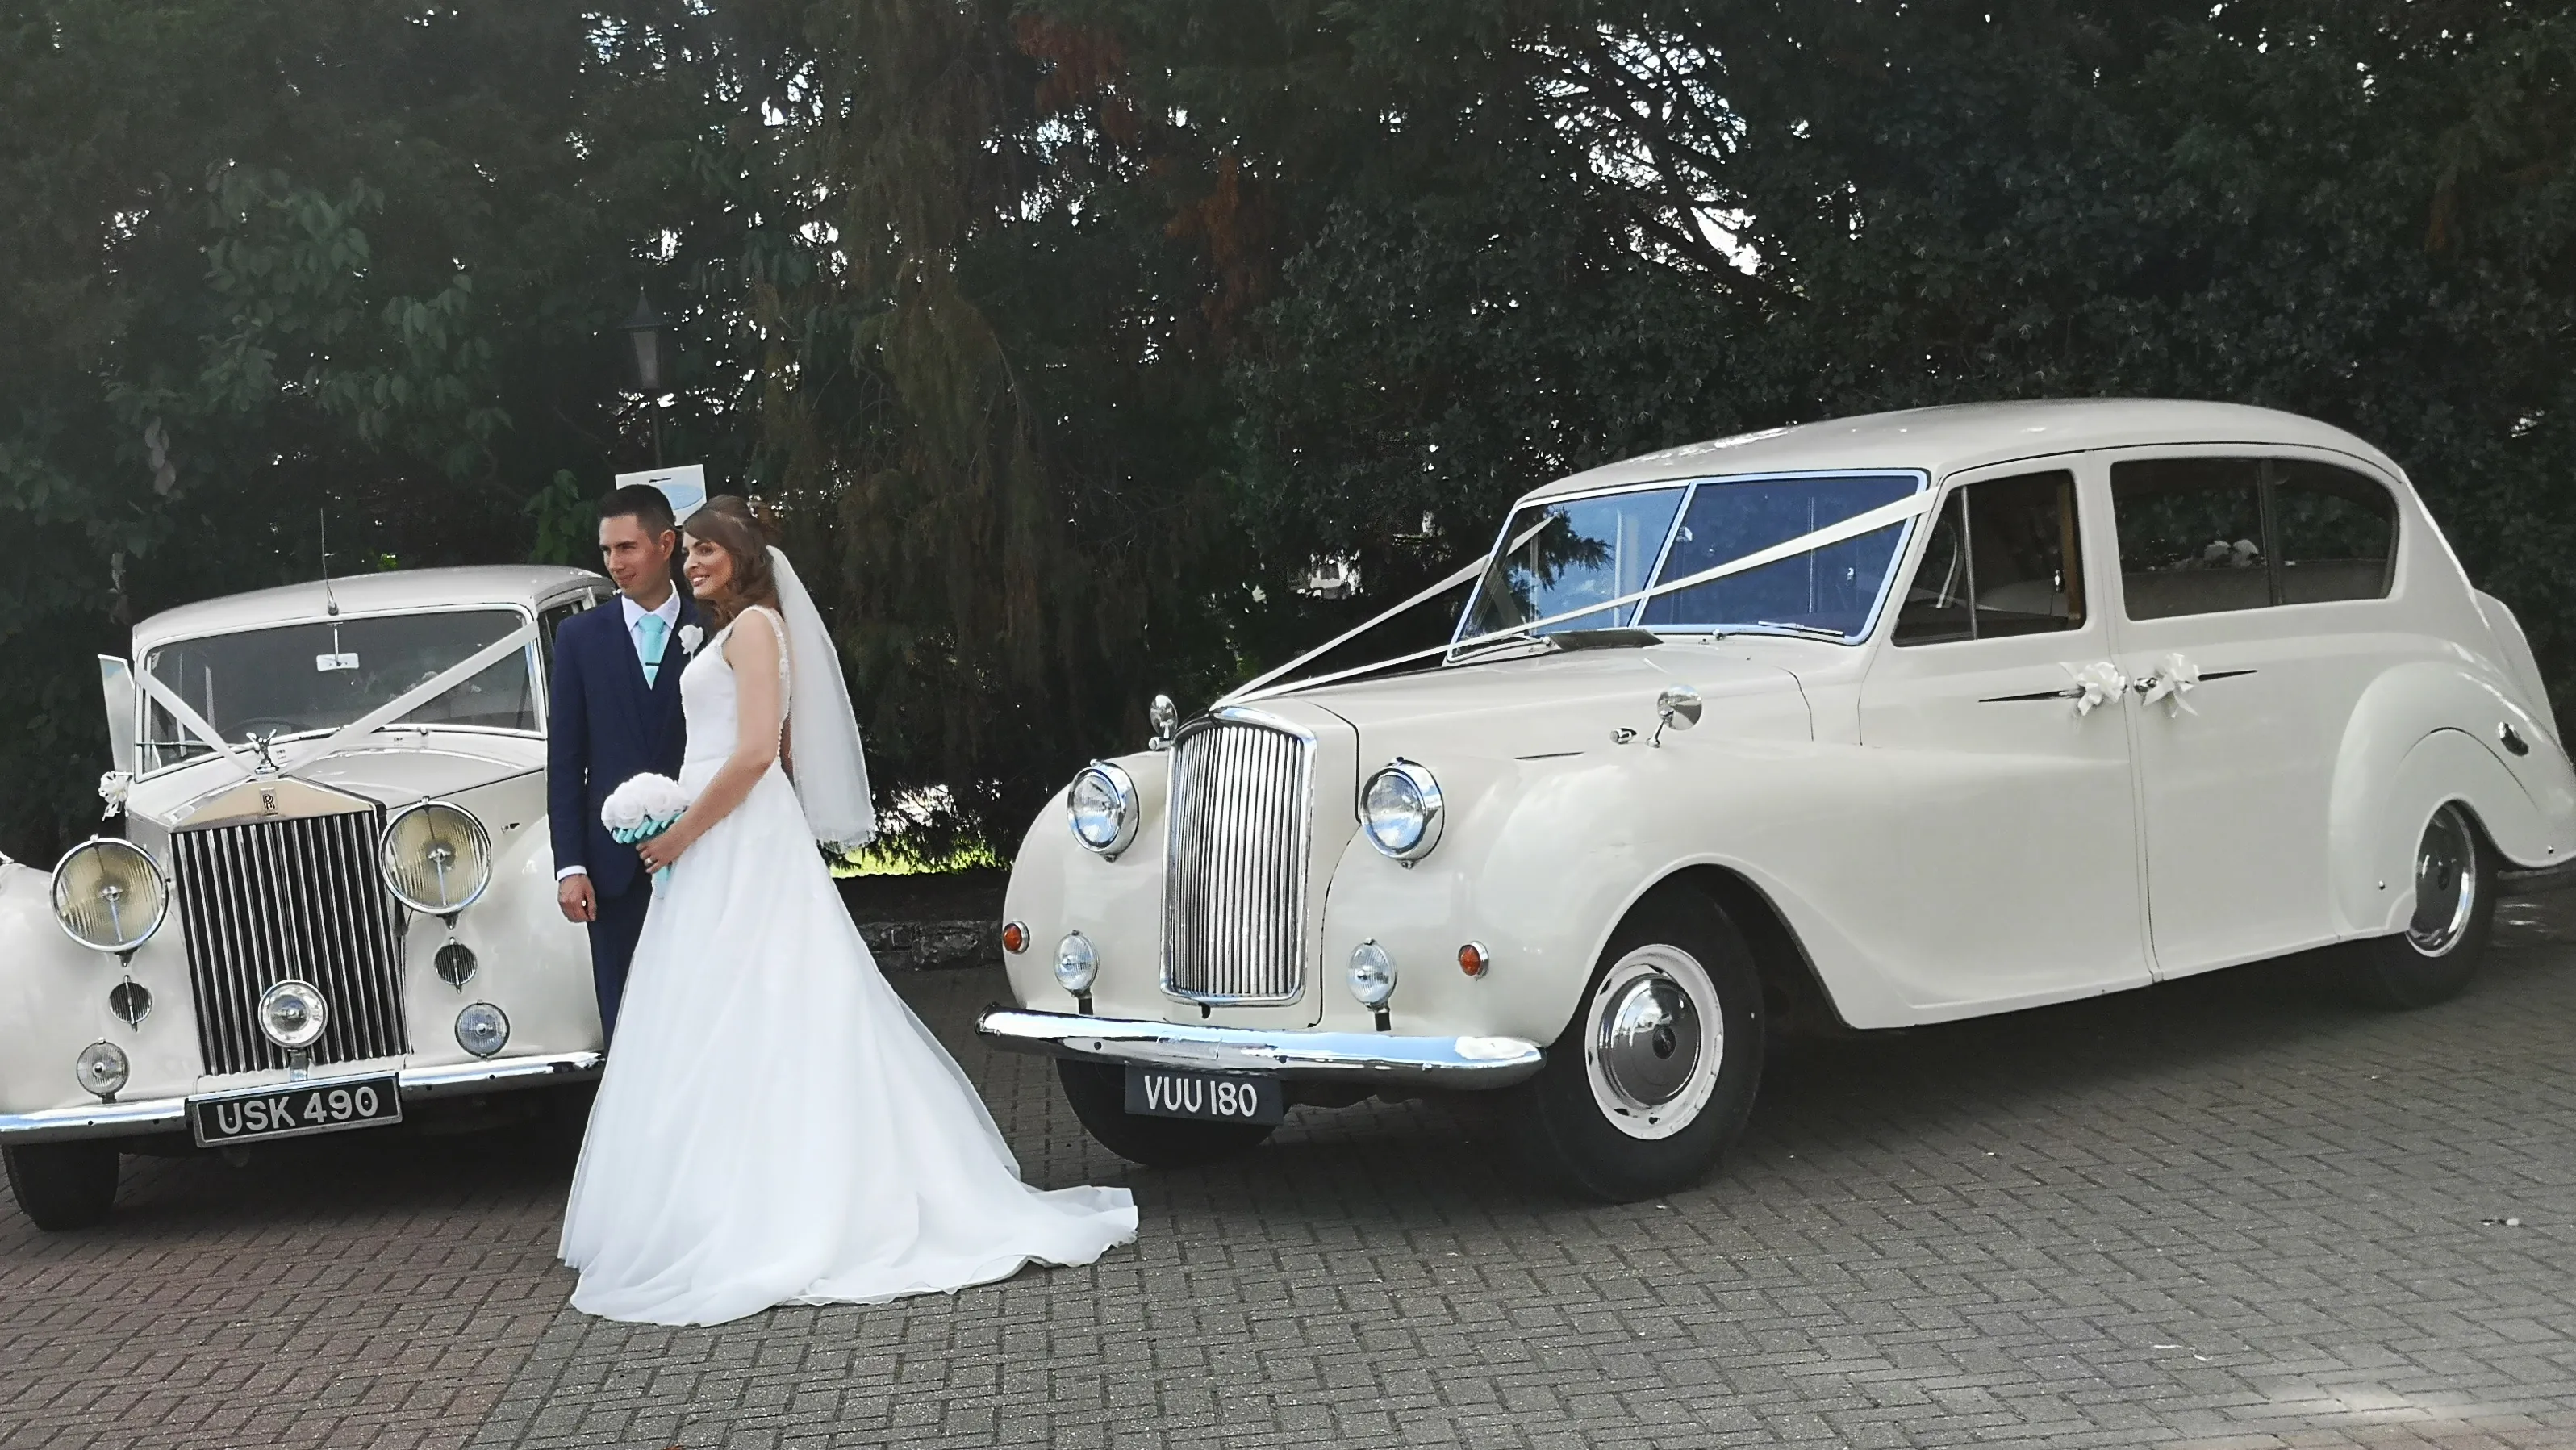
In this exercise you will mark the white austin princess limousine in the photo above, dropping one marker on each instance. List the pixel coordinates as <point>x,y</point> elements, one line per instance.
<point>325,891</point>
<point>1861,724</point>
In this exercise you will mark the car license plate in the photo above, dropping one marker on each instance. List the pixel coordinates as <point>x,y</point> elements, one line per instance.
<point>291,1110</point>
<point>1215,1097</point>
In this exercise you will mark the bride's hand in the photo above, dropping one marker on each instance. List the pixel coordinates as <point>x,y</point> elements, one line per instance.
<point>660,851</point>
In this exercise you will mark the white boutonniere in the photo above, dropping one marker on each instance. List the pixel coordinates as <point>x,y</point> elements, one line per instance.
<point>690,634</point>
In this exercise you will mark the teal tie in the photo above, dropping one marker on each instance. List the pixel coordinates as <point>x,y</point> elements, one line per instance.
<point>652,628</point>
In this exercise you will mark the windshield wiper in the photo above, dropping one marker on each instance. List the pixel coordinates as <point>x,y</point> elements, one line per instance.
<point>1495,641</point>
<point>1811,631</point>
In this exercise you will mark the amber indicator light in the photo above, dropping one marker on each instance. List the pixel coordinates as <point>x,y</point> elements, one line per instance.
<point>1473,959</point>
<point>1015,938</point>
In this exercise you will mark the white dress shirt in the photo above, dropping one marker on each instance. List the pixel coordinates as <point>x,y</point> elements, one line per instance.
<point>669,614</point>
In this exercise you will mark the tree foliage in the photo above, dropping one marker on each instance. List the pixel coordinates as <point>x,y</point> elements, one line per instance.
<point>1070,334</point>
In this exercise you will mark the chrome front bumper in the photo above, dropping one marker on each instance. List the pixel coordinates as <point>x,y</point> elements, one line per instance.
<point>1363,1057</point>
<point>170,1115</point>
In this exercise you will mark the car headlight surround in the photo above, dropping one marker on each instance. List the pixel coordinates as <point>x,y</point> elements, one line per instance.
<point>109,894</point>
<point>1400,809</point>
<point>1103,809</point>
<point>1077,963</point>
<point>482,1029</point>
<point>436,857</point>
<point>293,1013</point>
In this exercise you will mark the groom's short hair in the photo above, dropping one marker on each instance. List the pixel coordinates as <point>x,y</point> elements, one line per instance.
<point>641,502</point>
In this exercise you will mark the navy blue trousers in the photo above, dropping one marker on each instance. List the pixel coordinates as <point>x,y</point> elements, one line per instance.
<point>612,947</point>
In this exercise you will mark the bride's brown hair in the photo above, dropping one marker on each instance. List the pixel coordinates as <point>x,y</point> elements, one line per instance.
<point>727,522</point>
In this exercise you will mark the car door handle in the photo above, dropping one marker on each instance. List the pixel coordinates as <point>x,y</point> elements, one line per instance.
<point>2096,685</point>
<point>2175,677</point>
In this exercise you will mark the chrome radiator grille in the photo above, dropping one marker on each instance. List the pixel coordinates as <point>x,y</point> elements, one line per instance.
<point>1234,887</point>
<point>263,901</point>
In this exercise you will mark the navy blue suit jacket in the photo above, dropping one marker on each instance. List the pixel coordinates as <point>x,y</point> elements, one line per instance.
<point>605,726</point>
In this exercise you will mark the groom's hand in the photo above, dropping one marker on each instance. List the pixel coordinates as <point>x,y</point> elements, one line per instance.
<point>573,894</point>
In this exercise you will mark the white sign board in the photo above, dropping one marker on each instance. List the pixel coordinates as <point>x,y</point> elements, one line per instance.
<point>685,486</point>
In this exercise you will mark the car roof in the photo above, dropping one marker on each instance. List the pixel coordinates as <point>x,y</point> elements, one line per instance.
<point>392,592</point>
<point>1945,440</point>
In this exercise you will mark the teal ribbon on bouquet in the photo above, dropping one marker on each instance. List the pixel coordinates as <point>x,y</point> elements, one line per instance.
<point>643,831</point>
<point>644,807</point>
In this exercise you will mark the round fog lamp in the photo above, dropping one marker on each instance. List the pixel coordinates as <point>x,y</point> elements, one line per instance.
<point>109,894</point>
<point>482,1029</point>
<point>1101,808</point>
<point>292,1014</point>
<point>1372,974</point>
<point>436,857</point>
<point>1401,809</point>
<point>1076,964</point>
<point>102,1068</point>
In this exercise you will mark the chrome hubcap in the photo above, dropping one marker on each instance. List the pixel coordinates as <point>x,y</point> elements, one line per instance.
<point>2446,884</point>
<point>1654,1043</point>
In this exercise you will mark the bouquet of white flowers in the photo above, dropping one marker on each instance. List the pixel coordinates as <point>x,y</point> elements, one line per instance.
<point>644,807</point>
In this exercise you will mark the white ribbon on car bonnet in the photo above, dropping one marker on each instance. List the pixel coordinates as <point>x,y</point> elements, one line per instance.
<point>1884,516</point>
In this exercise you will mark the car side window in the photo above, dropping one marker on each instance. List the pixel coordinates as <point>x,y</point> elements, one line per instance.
<point>2206,535</point>
<point>2191,535</point>
<point>552,618</point>
<point>2338,532</point>
<point>2002,560</point>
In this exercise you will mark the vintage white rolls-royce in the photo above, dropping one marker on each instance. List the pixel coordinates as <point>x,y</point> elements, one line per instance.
<point>324,891</point>
<point>1860,724</point>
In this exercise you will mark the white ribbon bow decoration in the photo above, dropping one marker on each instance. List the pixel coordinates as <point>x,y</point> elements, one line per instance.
<point>2097,684</point>
<point>2174,678</point>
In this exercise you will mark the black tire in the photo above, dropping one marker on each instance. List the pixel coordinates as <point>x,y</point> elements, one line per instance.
<point>1567,1121</point>
<point>1098,1092</point>
<point>564,1118</point>
<point>64,1185</point>
<point>2441,949</point>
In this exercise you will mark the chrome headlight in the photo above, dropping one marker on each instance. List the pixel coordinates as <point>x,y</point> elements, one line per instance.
<point>1401,809</point>
<point>1102,809</point>
<point>436,857</point>
<point>109,894</point>
<point>102,1068</point>
<point>292,1014</point>
<point>1372,974</point>
<point>1077,964</point>
<point>482,1029</point>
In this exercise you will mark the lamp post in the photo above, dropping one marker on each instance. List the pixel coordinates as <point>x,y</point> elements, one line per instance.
<point>647,334</point>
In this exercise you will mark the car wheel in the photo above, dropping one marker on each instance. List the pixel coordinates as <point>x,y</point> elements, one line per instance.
<point>1098,1092</point>
<point>63,1185</point>
<point>2439,951</point>
<point>1654,1078</point>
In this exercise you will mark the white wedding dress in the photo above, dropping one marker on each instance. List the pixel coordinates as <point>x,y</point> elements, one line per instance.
<point>775,1126</point>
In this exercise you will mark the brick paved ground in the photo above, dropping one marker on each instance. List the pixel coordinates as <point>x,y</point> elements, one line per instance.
<point>2230,1212</point>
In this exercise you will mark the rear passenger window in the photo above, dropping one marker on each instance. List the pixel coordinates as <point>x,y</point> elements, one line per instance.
<point>2203,535</point>
<point>2191,535</point>
<point>2002,560</point>
<point>2338,532</point>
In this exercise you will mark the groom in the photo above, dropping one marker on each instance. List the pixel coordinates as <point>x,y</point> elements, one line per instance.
<point>615,714</point>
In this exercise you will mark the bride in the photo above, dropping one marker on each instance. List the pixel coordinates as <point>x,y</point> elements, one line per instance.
<point>775,1126</point>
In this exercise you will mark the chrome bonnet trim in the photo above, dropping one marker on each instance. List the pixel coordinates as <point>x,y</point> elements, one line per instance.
<point>170,1115</point>
<point>1366,1057</point>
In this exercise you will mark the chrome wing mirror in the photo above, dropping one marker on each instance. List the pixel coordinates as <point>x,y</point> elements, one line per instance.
<point>116,682</point>
<point>1677,707</point>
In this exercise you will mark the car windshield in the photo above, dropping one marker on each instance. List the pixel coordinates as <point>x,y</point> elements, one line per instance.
<point>1558,557</point>
<point>300,679</point>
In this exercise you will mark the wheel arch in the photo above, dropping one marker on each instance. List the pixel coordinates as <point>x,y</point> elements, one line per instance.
<point>1794,995</point>
<point>2379,812</point>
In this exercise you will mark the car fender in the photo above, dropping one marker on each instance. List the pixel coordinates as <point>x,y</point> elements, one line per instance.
<point>2421,735</point>
<point>529,961</point>
<point>54,1002</point>
<point>1541,860</point>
